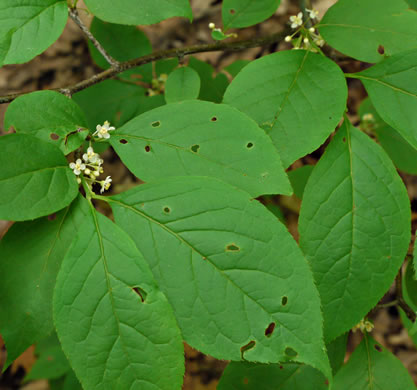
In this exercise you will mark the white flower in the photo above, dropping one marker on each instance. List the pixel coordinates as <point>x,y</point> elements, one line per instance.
<point>319,41</point>
<point>312,29</point>
<point>77,167</point>
<point>368,118</point>
<point>212,26</point>
<point>296,20</point>
<point>313,13</point>
<point>90,156</point>
<point>288,38</point>
<point>105,184</point>
<point>103,131</point>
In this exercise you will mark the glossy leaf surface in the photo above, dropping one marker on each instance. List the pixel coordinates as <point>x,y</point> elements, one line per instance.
<point>116,328</point>
<point>28,27</point>
<point>354,227</point>
<point>182,84</point>
<point>368,31</point>
<point>50,116</point>
<point>237,281</point>
<point>371,367</point>
<point>31,254</point>
<point>136,12</point>
<point>244,13</point>
<point>297,97</point>
<point>35,179</point>
<point>393,93</point>
<point>199,138</point>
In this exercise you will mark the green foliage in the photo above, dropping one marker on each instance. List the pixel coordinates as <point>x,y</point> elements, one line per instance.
<point>134,12</point>
<point>205,249</point>
<point>354,227</point>
<point>371,366</point>
<point>298,179</point>
<point>104,280</point>
<point>369,30</point>
<point>28,27</point>
<point>35,179</point>
<point>196,138</point>
<point>281,90</point>
<point>51,117</point>
<point>182,84</point>
<point>244,13</point>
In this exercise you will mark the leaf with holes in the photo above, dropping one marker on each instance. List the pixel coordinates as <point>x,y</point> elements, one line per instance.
<point>239,285</point>
<point>116,328</point>
<point>31,254</point>
<point>244,13</point>
<point>403,155</point>
<point>369,31</point>
<point>135,12</point>
<point>247,376</point>
<point>29,27</point>
<point>393,95</point>
<point>49,116</point>
<point>182,84</point>
<point>354,227</point>
<point>201,138</point>
<point>35,179</point>
<point>297,97</point>
<point>371,366</point>
<point>123,43</point>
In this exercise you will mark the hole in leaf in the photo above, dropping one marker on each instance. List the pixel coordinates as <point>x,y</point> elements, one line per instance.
<point>378,348</point>
<point>167,210</point>
<point>195,148</point>
<point>54,136</point>
<point>284,301</point>
<point>147,148</point>
<point>290,352</point>
<point>123,141</point>
<point>281,367</point>
<point>247,347</point>
<point>156,124</point>
<point>142,293</point>
<point>52,217</point>
<point>232,248</point>
<point>249,145</point>
<point>214,119</point>
<point>232,11</point>
<point>381,49</point>
<point>270,329</point>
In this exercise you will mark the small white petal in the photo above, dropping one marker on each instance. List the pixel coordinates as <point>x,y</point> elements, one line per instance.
<point>106,135</point>
<point>77,171</point>
<point>72,165</point>
<point>78,161</point>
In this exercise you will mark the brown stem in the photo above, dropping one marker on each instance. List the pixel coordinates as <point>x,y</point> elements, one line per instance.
<point>159,55</point>
<point>410,313</point>
<point>73,13</point>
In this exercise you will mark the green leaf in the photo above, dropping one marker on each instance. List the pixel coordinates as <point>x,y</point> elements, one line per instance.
<point>212,87</point>
<point>182,84</point>
<point>298,179</point>
<point>244,13</point>
<point>370,367</point>
<point>354,227</point>
<point>123,43</point>
<point>412,4</point>
<point>297,97</point>
<point>135,12</point>
<point>116,328</point>
<point>238,283</point>
<point>111,100</point>
<point>28,27</point>
<point>51,362</point>
<point>49,116</point>
<point>234,68</point>
<point>410,284</point>
<point>336,351</point>
<point>410,326</point>
<point>400,151</point>
<point>68,382</point>
<point>247,376</point>
<point>368,31</point>
<point>31,254</point>
<point>35,179</point>
<point>393,95</point>
<point>201,138</point>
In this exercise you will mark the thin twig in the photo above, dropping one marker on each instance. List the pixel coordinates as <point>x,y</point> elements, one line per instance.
<point>410,313</point>
<point>75,17</point>
<point>159,55</point>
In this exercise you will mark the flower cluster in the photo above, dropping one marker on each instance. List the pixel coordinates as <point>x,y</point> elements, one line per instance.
<point>158,85</point>
<point>303,38</point>
<point>103,131</point>
<point>364,326</point>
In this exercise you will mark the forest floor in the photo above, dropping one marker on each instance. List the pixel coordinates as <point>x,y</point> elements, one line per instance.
<point>68,61</point>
